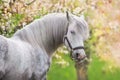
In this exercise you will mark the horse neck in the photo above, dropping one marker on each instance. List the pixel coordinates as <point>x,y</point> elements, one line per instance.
<point>56,28</point>
<point>46,33</point>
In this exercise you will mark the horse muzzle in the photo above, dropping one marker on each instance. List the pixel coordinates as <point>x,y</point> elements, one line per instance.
<point>78,57</point>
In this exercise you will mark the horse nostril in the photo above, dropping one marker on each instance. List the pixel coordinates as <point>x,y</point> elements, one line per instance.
<point>77,55</point>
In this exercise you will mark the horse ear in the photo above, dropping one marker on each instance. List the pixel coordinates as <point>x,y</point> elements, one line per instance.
<point>82,17</point>
<point>69,18</point>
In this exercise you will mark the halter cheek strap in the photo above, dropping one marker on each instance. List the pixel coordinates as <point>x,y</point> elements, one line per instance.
<point>72,49</point>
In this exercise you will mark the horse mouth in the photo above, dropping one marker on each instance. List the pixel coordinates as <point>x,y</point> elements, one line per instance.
<point>80,60</point>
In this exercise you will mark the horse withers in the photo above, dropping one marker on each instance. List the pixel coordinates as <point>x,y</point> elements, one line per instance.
<point>27,54</point>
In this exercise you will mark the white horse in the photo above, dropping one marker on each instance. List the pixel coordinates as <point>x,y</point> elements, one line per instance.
<point>27,54</point>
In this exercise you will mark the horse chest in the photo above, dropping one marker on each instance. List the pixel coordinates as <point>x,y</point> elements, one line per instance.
<point>41,64</point>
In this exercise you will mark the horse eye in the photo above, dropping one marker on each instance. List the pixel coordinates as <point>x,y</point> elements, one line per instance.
<point>72,32</point>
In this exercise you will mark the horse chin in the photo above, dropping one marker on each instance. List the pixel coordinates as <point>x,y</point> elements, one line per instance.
<point>81,60</point>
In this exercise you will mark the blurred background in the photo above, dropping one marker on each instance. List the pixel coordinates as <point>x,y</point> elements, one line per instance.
<point>102,48</point>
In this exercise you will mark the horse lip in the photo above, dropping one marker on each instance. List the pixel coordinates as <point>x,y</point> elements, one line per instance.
<point>81,60</point>
<point>78,59</point>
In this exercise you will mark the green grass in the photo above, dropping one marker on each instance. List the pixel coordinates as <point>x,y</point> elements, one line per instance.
<point>97,70</point>
<point>60,72</point>
<point>100,70</point>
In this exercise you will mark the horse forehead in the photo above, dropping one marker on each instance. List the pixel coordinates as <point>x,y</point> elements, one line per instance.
<point>81,23</point>
<point>79,20</point>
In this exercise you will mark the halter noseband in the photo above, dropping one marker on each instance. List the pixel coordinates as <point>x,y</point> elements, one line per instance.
<point>66,38</point>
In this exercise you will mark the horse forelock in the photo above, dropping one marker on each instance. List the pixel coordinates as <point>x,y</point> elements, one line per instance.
<point>83,25</point>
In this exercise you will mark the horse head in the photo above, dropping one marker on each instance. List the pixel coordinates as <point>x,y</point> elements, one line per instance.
<point>77,32</point>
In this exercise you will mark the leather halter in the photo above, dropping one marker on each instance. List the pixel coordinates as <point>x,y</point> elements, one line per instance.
<point>69,44</point>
